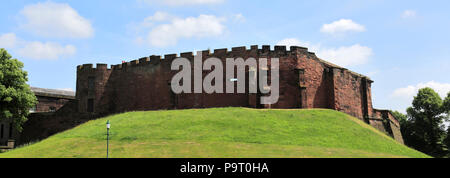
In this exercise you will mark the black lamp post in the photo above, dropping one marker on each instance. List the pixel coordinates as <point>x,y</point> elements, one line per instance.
<point>108,126</point>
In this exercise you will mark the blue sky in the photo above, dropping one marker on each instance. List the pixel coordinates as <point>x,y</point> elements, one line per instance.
<point>401,45</point>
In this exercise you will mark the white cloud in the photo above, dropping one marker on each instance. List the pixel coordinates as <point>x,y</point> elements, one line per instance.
<point>410,91</point>
<point>344,56</point>
<point>201,26</point>
<point>150,21</point>
<point>291,42</point>
<point>163,29</point>
<point>183,2</point>
<point>239,18</point>
<point>288,42</point>
<point>8,40</point>
<point>139,40</point>
<point>342,26</point>
<point>36,49</point>
<point>48,50</point>
<point>160,16</point>
<point>50,19</point>
<point>409,14</point>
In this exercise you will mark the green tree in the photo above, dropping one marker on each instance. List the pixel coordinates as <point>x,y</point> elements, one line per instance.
<point>447,141</point>
<point>16,97</point>
<point>447,104</point>
<point>447,109</point>
<point>406,128</point>
<point>425,128</point>
<point>400,117</point>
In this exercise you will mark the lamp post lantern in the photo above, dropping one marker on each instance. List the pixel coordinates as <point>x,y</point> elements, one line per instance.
<point>108,126</point>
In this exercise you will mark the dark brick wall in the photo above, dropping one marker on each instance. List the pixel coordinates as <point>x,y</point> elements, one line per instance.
<point>318,81</point>
<point>6,133</point>
<point>51,115</point>
<point>42,125</point>
<point>47,104</point>
<point>84,92</point>
<point>305,82</point>
<point>348,93</point>
<point>144,84</point>
<point>378,124</point>
<point>392,126</point>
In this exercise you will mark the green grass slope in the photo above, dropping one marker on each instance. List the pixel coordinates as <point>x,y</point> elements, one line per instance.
<point>223,133</point>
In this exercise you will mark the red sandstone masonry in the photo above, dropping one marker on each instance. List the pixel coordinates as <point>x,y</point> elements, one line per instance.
<point>47,104</point>
<point>305,82</point>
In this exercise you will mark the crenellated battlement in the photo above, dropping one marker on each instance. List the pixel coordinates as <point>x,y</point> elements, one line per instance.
<point>223,52</point>
<point>90,67</point>
<point>305,81</point>
<point>254,50</point>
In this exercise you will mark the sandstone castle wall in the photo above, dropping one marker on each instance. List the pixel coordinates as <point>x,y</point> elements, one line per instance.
<point>306,81</point>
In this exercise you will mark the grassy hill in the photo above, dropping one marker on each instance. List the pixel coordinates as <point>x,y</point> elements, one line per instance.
<point>221,132</point>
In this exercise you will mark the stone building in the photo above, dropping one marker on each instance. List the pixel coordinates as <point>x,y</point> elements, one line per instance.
<point>49,101</point>
<point>306,81</point>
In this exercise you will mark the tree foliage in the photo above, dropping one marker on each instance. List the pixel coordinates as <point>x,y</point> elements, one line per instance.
<point>399,116</point>
<point>447,110</point>
<point>16,97</point>
<point>447,141</point>
<point>423,129</point>
<point>447,104</point>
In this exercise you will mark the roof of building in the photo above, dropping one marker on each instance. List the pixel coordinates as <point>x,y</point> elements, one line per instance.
<point>53,93</point>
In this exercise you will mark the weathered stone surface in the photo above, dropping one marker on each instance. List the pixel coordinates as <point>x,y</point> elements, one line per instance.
<point>391,124</point>
<point>50,100</point>
<point>305,82</point>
